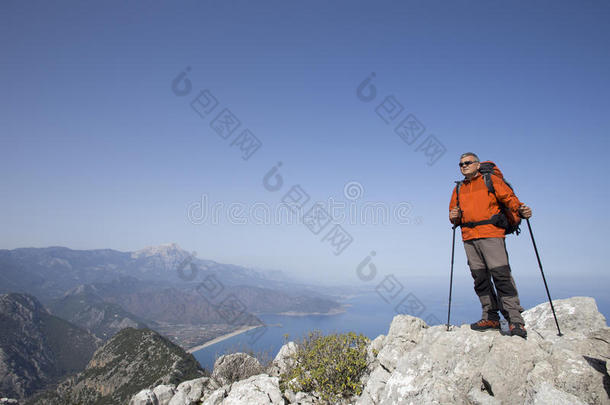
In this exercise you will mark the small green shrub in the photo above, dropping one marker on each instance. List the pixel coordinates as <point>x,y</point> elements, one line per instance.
<point>329,365</point>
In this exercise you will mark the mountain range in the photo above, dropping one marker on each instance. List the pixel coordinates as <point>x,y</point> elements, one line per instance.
<point>103,290</point>
<point>37,348</point>
<point>49,272</point>
<point>130,360</point>
<point>59,305</point>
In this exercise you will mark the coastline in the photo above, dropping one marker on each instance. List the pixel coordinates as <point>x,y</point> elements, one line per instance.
<point>222,337</point>
<point>342,309</point>
<point>337,311</point>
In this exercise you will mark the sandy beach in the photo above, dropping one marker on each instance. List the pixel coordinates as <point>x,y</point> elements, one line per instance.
<point>223,337</point>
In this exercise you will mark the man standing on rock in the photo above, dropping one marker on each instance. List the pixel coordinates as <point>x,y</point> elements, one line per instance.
<point>485,244</point>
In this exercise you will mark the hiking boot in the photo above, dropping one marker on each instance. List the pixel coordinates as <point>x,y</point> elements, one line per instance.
<point>516,329</point>
<point>485,324</point>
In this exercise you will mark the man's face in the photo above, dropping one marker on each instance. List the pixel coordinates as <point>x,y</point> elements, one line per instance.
<point>469,166</point>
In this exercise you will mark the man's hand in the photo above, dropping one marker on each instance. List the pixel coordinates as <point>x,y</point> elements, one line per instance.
<point>454,215</point>
<point>525,211</point>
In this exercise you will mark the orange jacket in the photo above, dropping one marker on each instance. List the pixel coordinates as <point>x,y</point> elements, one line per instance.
<point>478,204</point>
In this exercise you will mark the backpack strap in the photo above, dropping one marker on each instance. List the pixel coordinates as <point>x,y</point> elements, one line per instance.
<point>500,219</point>
<point>487,170</point>
<point>489,183</point>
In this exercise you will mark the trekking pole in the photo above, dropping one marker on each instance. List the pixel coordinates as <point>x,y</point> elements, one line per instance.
<point>543,278</point>
<point>451,278</point>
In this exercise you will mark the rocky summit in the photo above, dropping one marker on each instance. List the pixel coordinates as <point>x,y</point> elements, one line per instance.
<point>418,364</point>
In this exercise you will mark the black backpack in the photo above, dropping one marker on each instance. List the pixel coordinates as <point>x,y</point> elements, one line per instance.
<point>506,218</point>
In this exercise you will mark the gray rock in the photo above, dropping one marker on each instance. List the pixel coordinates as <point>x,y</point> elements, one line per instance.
<point>164,393</point>
<point>303,398</point>
<point>576,314</point>
<point>374,386</point>
<point>545,393</point>
<point>180,398</point>
<point>599,344</point>
<point>576,375</point>
<point>507,365</point>
<point>430,365</point>
<point>235,367</point>
<point>290,396</point>
<point>284,360</point>
<point>189,392</point>
<point>441,372</point>
<point>406,332</point>
<point>144,397</point>
<point>216,397</point>
<point>193,389</point>
<point>595,344</point>
<point>372,351</point>
<point>300,398</point>
<point>377,343</point>
<point>542,372</point>
<point>479,396</point>
<point>259,389</point>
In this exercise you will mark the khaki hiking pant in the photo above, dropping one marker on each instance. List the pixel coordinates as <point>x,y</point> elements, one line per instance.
<point>488,260</point>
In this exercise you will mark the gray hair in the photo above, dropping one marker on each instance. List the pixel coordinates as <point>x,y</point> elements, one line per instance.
<point>469,154</point>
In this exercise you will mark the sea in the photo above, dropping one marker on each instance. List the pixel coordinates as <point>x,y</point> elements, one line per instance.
<point>370,313</point>
<point>367,313</point>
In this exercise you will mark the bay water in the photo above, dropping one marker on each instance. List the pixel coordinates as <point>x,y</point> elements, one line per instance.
<point>370,313</point>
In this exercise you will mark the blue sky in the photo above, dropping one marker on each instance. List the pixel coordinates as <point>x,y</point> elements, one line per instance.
<point>98,151</point>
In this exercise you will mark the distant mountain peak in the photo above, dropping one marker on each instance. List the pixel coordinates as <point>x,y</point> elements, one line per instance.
<point>167,256</point>
<point>164,250</point>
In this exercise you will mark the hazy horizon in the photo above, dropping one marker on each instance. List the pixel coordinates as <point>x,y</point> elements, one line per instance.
<point>128,125</point>
<point>431,291</point>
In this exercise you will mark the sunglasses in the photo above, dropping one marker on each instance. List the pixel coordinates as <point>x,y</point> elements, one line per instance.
<point>466,163</point>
